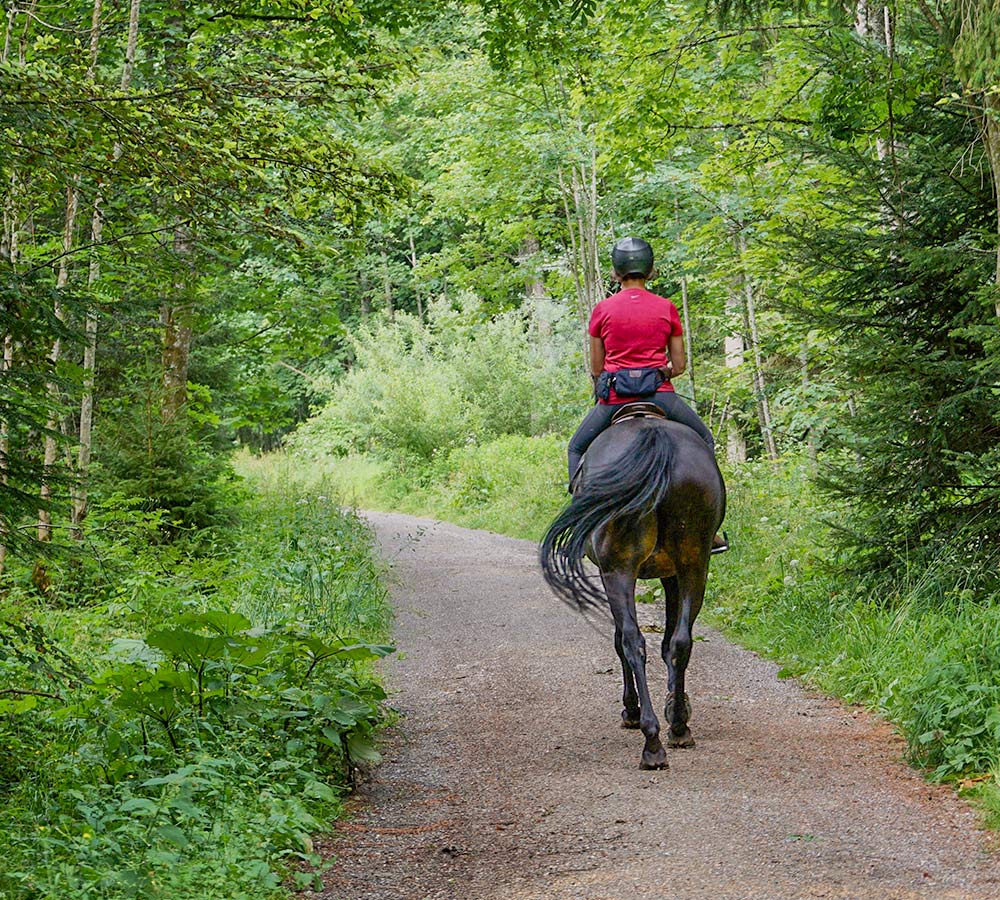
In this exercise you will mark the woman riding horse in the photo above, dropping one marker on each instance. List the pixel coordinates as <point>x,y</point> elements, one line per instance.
<point>648,497</point>
<point>635,330</point>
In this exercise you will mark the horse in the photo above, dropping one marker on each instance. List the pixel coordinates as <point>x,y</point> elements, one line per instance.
<point>647,501</point>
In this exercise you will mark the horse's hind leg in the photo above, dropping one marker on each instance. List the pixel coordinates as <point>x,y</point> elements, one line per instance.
<point>672,608</point>
<point>630,698</point>
<point>620,588</point>
<point>685,595</point>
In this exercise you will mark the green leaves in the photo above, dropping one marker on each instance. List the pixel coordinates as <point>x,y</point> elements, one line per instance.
<point>212,668</point>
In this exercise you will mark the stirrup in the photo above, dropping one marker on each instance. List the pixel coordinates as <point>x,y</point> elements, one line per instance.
<point>724,546</point>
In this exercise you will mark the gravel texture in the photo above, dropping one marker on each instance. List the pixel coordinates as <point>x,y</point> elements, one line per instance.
<point>509,778</point>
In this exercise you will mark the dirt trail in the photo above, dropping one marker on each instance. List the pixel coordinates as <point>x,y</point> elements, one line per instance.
<point>508,777</point>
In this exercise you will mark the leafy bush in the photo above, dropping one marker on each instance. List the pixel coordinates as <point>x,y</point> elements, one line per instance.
<point>228,701</point>
<point>512,484</point>
<point>167,466</point>
<point>420,389</point>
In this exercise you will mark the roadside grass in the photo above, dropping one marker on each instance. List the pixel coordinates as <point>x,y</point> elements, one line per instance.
<point>922,649</point>
<point>512,485</point>
<point>186,729</point>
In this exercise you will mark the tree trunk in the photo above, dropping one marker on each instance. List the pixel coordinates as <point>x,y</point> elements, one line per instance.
<point>416,285</point>
<point>991,133</point>
<point>366,303</point>
<point>534,287</point>
<point>72,205</point>
<point>89,379</point>
<point>580,206</point>
<point>5,365</point>
<point>752,334</point>
<point>51,449</point>
<point>736,445</point>
<point>9,252</point>
<point>686,313</point>
<point>387,285</point>
<point>804,365</point>
<point>80,497</point>
<point>178,333</point>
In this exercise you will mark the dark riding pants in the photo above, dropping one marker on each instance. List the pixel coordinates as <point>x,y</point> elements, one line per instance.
<point>599,418</point>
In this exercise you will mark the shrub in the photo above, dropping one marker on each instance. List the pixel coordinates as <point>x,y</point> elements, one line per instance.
<point>418,389</point>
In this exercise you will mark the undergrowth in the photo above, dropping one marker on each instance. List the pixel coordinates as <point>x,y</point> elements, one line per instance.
<point>181,724</point>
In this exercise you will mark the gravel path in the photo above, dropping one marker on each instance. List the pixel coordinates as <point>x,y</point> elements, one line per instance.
<point>508,778</point>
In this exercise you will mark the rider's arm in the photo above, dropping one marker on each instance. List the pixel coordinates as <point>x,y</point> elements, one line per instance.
<point>675,352</point>
<point>596,355</point>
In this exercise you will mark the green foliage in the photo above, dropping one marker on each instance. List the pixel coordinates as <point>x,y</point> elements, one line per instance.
<point>911,322</point>
<point>512,484</point>
<point>419,390</point>
<point>190,728</point>
<point>157,466</point>
<point>917,645</point>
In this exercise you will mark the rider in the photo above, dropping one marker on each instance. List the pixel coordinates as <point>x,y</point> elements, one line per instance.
<point>635,329</point>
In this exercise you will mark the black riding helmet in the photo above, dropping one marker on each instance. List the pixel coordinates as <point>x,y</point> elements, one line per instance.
<point>632,256</point>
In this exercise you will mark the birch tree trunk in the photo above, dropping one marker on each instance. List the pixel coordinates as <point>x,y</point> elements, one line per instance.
<point>686,313</point>
<point>736,445</point>
<point>52,387</point>
<point>387,285</point>
<point>72,205</point>
<point>757,369</point>
<point>5,365</point>
<point>9,250</point>
<point>10,253</point>
<point>686,317</point>
<point>94,273</point>
<point>89,380</point>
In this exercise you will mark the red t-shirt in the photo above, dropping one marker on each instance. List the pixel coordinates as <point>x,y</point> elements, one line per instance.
<point>635,326</point>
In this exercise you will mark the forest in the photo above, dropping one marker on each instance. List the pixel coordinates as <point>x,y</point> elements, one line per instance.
<point>265,263</point>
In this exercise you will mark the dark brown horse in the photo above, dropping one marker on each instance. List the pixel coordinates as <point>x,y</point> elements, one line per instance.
<point>647,502</point>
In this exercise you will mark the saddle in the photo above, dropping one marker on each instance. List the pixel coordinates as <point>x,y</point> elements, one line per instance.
<point>637,411</point>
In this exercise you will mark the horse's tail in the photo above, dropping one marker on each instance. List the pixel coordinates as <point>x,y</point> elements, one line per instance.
<point>624,491</point>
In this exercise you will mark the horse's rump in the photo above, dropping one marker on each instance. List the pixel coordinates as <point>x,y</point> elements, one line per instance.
<point>626,477</point>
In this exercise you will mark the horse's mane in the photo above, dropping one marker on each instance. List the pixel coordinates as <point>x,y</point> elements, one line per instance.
<point>625,489</point>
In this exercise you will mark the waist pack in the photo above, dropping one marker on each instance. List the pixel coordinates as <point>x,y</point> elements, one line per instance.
<point>636,382</point>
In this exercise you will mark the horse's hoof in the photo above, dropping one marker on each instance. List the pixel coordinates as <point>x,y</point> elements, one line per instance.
<point>630,719</point>
<point>684,740</point>
<point>654,760</point>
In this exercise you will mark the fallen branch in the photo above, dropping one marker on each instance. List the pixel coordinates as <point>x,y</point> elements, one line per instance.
<point>26,692</point>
